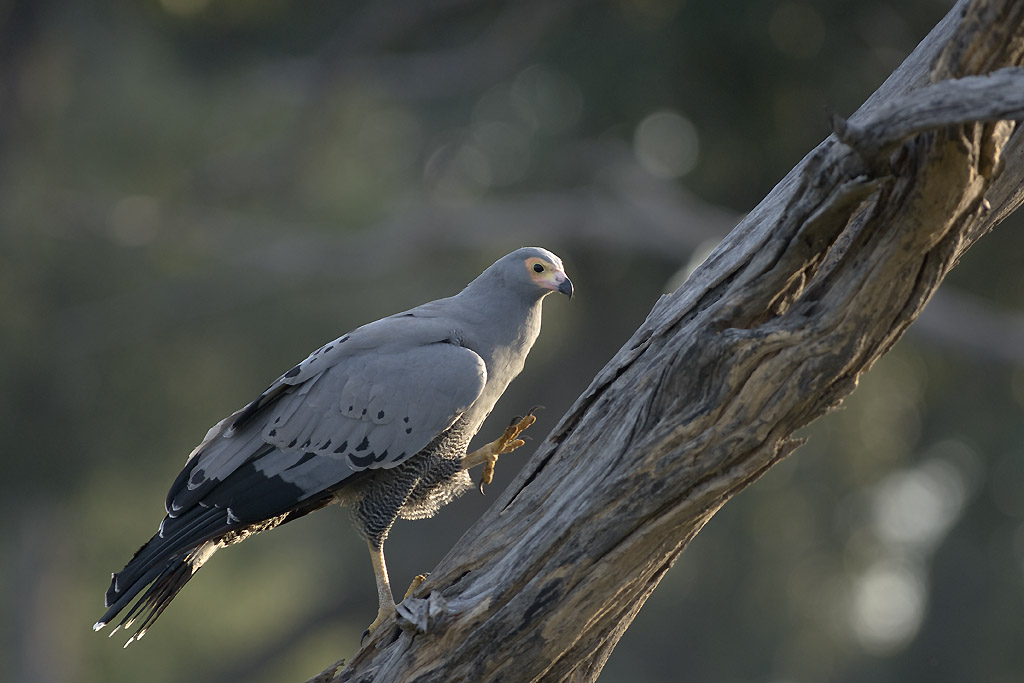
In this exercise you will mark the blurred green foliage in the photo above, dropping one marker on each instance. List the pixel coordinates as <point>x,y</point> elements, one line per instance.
<point>195,193</point>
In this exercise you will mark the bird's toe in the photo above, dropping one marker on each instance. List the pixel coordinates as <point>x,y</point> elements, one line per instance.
<point>383,614</point>
<point>417,581</point>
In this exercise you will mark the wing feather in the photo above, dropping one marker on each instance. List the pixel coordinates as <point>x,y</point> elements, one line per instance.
<point>359,409</point>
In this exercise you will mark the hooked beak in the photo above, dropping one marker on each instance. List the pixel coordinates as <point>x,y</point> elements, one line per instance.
<point>565,287</point>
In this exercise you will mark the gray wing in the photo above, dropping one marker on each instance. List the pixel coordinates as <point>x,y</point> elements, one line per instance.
<point>340,411</point>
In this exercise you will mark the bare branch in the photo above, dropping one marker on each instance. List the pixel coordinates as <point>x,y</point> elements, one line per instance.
<point>767,335</point>
<point>998,96</point>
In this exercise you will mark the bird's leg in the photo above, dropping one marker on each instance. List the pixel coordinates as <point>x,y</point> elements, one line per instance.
<point>385,599</point>
<point>506,443</point>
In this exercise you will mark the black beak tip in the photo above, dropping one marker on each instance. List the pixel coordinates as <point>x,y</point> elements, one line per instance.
<point>566,288</point>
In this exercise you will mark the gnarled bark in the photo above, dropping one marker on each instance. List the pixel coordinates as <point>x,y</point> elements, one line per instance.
<point>771,332</point>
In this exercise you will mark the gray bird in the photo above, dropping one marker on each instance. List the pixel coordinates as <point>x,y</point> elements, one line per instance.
<point>378,420</point>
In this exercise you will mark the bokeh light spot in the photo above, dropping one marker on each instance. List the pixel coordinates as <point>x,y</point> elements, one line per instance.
<point>916,507</point>
<point>888,606</point>
<point>666,144</point>
<point>547,100</point>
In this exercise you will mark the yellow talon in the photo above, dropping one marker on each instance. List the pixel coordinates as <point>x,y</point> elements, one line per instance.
<point>506,443</point>
<point>383,614</point>
<point>487,476</point>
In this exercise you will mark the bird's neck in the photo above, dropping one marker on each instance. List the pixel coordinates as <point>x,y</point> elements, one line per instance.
<point>503,318</point>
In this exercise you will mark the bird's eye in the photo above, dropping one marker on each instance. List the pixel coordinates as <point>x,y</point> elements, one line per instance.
<point>538,268</point>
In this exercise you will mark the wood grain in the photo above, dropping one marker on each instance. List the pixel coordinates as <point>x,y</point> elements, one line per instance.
<point>769,333</point>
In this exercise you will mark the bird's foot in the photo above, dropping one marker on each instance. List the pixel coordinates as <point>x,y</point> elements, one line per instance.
<point>417,581</point>
<point>383,614</point>
<point>506,443</point>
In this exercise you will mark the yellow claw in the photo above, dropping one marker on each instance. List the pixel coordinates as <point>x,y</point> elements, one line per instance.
<point>506,443</point>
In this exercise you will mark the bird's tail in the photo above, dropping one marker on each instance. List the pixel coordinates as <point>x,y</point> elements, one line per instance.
<point>164,580</point>
<point>177,551</point>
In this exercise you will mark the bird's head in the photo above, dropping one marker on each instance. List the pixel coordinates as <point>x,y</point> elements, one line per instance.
<point>538,268</point>
<point>531,273</point>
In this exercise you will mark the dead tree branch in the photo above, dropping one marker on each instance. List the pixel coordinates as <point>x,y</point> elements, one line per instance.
<point>772,331</point>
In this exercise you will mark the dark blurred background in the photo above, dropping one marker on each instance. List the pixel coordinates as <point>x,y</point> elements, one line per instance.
<point>194,194</point>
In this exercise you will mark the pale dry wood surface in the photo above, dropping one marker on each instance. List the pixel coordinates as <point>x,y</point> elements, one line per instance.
<point>771,332</point>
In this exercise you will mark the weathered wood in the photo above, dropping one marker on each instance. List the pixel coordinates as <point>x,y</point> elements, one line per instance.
<point>771,332</point>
